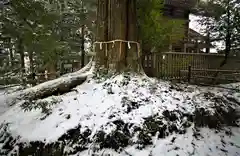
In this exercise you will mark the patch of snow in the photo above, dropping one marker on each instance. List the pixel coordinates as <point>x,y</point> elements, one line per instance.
<point>209,143</point>
<point>3,106</point>
<point>232,86</point>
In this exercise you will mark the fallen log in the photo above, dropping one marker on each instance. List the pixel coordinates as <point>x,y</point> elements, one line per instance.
<point>57,86</point>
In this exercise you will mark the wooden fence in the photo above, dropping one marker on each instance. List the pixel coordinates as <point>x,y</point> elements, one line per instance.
<point>70,64</point>
<point>39,76</point>
<point>174,65</point>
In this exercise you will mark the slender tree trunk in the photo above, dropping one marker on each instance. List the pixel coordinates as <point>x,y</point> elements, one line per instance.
<point>30,55</point>
<point>82,40</point>
<point>228,37</point>
<point>11,59</point>
<point>117,20</point>
<point>82,48</point>
<point>20,50</point>
<point>10,55</point>
<point>32,73</point>
<point>227,43</point>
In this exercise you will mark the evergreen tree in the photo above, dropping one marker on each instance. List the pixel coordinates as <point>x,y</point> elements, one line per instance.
<point>156,30</point>
<point>46,30</point>
<point>223,23</point>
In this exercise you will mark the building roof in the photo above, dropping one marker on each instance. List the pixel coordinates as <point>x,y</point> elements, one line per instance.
<point>195,35</point>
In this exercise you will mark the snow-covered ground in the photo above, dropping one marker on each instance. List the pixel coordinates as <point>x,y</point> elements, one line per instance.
<point>3,106</point>
<point>208,143</point>
<point>129,100</point>
<point>92,104</point>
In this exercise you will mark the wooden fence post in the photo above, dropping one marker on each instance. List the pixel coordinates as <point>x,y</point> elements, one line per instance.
<point>189,73</point>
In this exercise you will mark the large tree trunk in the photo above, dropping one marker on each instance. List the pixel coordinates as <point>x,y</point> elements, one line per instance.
<point>133,58</point>
<point>100,32</point>
<point>117,20</point>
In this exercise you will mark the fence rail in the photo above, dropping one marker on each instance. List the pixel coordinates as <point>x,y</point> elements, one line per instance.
<point>174,65</point>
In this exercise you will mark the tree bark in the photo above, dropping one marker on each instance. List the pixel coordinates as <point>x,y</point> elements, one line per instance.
<point>101,28</point>
<point>133,57</point>
<point>117,20</point>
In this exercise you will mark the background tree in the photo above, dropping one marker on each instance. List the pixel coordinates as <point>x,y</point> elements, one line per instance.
<point>45,31</point>
<point>157,31</point>
<point>223,23</point>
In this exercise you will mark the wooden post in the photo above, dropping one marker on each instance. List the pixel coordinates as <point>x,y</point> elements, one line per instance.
<point>170,48</point>
<point>185,48</point>
<point>197,47</point>
<point>208,43</point>
<point>189,73</point>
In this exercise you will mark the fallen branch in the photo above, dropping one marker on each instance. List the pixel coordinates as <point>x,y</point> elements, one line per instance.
<point>57,86</point>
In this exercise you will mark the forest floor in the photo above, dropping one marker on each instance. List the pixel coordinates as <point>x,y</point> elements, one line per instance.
<point>125,115</point>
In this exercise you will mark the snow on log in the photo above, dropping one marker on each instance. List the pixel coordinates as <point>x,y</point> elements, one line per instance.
<point>57,86</point>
